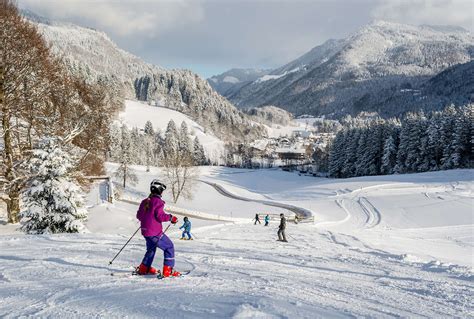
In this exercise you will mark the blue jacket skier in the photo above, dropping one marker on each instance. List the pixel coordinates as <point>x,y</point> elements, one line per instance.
<point>186,228</point>
<point>267,220</point>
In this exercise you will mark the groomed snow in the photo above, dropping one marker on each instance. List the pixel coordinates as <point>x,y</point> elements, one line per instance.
<point>382,246</point>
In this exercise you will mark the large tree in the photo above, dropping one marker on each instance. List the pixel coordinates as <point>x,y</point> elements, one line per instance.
<point>178,162</point>
<point>39,98</point>
<point>53,201</point>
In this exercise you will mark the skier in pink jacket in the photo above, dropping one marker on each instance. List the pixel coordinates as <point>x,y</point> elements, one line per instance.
<point>151,215</point>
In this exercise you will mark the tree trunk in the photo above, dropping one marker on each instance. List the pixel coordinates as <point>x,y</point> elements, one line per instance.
<point>124,175</point>
<point>13,202</point>
<point>13,207</point>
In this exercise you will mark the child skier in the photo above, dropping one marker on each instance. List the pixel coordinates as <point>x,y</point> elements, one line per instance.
<point>257,219</point>
<point>186,228</point>
<point>151,215</point>
<point>267,220</point>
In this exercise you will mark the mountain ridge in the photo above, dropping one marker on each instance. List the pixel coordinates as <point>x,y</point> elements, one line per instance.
<point>95,57</point>
<point>353,75</point>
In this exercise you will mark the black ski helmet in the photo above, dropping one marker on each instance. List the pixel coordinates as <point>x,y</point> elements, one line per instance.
<point>157,187</point>
<point>185,218</point>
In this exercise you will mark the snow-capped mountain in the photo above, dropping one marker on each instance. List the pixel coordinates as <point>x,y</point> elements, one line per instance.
<point>231,81</point>
<point>360,72</point>
<point>93,55</point>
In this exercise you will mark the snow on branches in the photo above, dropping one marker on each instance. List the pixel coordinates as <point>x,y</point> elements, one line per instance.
<point>52,201</point>
<point>420,143</point>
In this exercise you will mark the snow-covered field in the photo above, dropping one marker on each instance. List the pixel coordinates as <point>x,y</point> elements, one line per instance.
<point>136,114</point>
<point>383,246</point>
<point>297,125</point>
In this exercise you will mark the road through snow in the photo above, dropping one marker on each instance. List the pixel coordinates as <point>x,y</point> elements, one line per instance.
<point>298,211</point>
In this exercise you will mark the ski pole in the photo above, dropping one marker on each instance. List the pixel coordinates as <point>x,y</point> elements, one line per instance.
<point>110,262</point>
<point>166,228</point>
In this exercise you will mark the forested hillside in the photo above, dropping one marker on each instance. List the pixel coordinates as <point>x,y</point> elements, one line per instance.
<point>418,143</point>
<point>384,67</point>
<point>91,55</point>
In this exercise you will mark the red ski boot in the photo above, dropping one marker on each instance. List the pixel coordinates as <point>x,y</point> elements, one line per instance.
<point>168,272</point>
<point>145,270</point>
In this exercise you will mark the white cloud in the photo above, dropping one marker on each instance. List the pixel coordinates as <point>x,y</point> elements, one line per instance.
<point>125,18</point>
<point>434,12</point>
<point>210,35</point>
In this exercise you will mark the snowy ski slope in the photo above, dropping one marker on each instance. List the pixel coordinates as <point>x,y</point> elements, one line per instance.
<point>382,246</point>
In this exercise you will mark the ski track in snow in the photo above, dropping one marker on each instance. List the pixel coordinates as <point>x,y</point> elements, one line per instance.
<point>299,211</point>
<point>320,274</point>
<point>334,268</point>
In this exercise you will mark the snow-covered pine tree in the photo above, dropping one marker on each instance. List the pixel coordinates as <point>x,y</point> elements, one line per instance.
<point>115,138</point>
<point>403,146</point>
<point>137,149</point>
<point>362,162</point>
<point>448,118</point>
<point>389,157</point>
<point>350,152</point>
<point>461,144</point>
<point>336,160</point>
<point>435,148</point>
<point>159,143</point>
<point>375,147</point>
<point>424,158</point>
<point>52,202</point>
<point>390,130</point>
<point>185,143</point>
<point>148,151</point>
<point>171,142</point>
<point>124,172</point>
<point>198,153</point>
<point>149,129</point>
<point>417,143</point>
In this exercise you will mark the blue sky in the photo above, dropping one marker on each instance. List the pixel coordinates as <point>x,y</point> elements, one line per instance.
<point>210,37</point>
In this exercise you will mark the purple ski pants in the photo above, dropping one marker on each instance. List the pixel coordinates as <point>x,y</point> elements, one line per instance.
<point>162,242</point>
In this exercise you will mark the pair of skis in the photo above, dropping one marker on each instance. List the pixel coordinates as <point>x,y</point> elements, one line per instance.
<point>157,276</point>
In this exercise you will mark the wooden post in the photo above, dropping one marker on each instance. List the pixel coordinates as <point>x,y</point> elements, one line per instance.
<point>111,190</point>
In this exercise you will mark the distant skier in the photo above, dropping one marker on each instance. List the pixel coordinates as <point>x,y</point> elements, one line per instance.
<point>257,219</point>
<point>281,228</point>
<point>151,215</point>
<point>296,219</point>
<point>267,220</point>
<point>186,228</point>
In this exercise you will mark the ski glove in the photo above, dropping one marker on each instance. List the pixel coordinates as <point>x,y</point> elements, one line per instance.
<point>174,219</point>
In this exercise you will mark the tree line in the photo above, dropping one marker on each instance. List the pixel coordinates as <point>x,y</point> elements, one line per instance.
<point>174,151</point>
<point>40,99</point>
<point>418,143</point>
